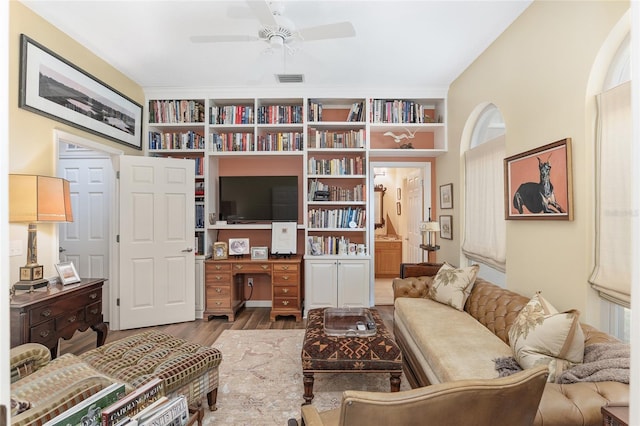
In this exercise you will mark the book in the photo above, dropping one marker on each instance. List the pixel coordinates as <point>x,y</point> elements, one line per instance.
<point>147,411</point>
<point>133,402</point>
<point>89,411</point>
<point>173,413</point>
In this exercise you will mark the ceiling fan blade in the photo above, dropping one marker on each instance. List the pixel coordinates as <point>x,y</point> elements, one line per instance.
<point>222,38</point>
<point>263,13</point>
<point>328,31</point>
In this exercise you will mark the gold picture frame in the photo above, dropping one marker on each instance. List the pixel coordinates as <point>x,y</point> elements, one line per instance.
<point>220,250</point>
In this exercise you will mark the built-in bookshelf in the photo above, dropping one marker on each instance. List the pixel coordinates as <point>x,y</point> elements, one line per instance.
<point>330,140</point>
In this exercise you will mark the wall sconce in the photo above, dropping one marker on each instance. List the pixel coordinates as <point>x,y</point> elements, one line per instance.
<point>34,199</point>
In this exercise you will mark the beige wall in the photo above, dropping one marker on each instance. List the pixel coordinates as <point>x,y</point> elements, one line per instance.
<point>538,73</point>
<point>31,146</point>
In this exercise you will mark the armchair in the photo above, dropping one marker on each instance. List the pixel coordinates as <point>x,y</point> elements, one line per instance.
<point>511,400</point>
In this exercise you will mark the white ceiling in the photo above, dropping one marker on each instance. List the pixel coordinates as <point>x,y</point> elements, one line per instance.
<point>398,44</point>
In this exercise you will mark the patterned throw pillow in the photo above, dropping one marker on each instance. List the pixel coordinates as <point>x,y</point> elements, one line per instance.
<point>542,335</point>
<point>452,286</point>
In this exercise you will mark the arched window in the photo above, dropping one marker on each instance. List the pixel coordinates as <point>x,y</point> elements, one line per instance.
<point>484,224</point>
<point>611,275</point>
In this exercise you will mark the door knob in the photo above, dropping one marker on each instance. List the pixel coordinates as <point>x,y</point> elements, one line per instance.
<point>61,249</point>
<point>187,250</point>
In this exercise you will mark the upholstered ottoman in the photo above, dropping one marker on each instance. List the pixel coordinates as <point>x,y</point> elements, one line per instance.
<point>187,368</point>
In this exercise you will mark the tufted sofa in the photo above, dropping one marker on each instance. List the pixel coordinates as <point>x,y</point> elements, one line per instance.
<point>47,388</point>
<point>442,344</point>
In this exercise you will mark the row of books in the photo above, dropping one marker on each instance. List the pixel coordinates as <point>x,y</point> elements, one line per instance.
<point>176,111</point>
<point>231,114</point>
<point>232,141</point>
<point>176,140</point>
<point>356,113</point>
<point>199,164</point>
<point>291,141</point>
<point>327,245</point>
<point>348,217</point>
<point>397,111</point>
<point>336,166</point>
<point>279,114</point>
<point>340,139</point>
<point>336,193</point>
<point>200,216</point>
<point>145,406</point>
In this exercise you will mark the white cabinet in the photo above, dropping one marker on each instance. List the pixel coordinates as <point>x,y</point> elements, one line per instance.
<point>332,282</point>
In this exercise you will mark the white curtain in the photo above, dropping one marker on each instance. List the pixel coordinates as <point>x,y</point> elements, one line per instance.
<point>612,270</point>
<point>485,228</point>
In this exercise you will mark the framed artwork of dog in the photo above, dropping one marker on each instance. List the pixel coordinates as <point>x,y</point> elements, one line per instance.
<point>538,183</point>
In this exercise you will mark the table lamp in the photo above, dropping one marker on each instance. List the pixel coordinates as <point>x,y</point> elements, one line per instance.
<point>33,199</point>
<point>429,228</point>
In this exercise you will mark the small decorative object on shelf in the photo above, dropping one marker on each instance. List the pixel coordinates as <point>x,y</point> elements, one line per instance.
<point>259,253</point>
<point>238,246</point>
<point>219,250</point>
<point>67,273</point>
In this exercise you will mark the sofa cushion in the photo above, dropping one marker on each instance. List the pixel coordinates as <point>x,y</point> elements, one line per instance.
<point>448,343</point>
<point>452,286</point>
<point>542,335</point>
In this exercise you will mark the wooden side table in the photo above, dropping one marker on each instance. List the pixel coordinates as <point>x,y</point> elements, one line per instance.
<point>615,415</point>
<point>44,316</point>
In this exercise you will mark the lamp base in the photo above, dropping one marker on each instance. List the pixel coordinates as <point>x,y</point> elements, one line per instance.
<point>30,285</point>
<point>429,247</point>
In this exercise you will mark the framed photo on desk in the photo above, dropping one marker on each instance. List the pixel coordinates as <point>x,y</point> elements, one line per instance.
<point>67,273</point>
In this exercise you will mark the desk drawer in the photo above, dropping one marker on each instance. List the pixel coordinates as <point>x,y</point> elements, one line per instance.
<point>71,319</point>
<point>45,313</point>
<point>248,268</point>
<point>218,278</point>
<point>211,266</point>
<point>286,267</point>
<point>285,291</point>
<point>218,292</point>
<point>280,303</point>
<point>93,314</point>
<point>216,303</point>
<point>44,333</point>
<point>286,278</point>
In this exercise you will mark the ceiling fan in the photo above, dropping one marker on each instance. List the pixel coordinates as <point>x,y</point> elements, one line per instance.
<point>279,31</point>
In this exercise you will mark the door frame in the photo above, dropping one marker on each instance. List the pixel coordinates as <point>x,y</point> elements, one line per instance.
<point>425,171</point>
<point>60,137</point>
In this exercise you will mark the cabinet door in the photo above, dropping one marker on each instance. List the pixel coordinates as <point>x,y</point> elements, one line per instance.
<point>353,283</point>
<point>321,285</point>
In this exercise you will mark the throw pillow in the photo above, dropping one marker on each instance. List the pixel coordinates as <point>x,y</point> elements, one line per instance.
<point>542,335</point>
<point>452,286</point>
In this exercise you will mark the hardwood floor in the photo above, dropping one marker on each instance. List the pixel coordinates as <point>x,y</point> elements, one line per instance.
<point>202,331</point>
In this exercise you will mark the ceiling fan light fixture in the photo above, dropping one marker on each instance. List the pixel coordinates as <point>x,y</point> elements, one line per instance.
<point>276,41</point>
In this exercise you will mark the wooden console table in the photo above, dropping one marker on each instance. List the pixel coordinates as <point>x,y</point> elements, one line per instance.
<point>44,316</point>
<point>224,291</point>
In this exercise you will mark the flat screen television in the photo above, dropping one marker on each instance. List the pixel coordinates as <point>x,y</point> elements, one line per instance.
<point>251,199</point>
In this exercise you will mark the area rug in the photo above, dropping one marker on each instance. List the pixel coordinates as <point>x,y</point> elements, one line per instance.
<point>261,379</point>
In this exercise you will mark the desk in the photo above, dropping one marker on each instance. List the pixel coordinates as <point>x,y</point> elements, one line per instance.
<point>44,316</point>
<point>224,292</point>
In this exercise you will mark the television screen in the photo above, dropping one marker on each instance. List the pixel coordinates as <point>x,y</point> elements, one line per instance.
<point>245,199</point>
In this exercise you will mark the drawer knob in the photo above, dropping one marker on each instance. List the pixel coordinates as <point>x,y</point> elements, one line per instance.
<point>93,296</point>
<point>218,267</point>
<point>46,313</point>
<point>218,290</point>
<point>218,277</point>
<point>218,303</point>
<point>285,267</point>
<point>72,318</point>
<point>94,311</point>
<point>285,302</point>
<point>285,290</point>
<point>44,333</point>
<point>238,266</point>
<point>264,267</point>
<point>286,277</point>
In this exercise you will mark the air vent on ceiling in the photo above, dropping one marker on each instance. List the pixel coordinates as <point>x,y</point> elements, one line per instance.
<point>290,78</point>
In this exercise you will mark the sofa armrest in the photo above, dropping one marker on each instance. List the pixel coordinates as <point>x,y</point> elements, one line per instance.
<point>26,359</point>
<point>417,287</point>
<point>419,269</point>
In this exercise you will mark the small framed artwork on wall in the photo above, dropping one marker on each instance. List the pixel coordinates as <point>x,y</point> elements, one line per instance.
<point>446,227</point>
<point>446,196</point>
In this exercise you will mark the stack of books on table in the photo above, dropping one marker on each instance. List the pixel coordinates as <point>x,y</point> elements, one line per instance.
<point>89,411</point>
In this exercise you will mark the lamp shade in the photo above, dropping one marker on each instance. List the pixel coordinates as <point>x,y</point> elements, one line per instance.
<point>34,198</point>
<point>429,226</point>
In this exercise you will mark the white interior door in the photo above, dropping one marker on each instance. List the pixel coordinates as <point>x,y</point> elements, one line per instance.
<point>414,209</point>
<point>86,240</point>
<point>157,253</point>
